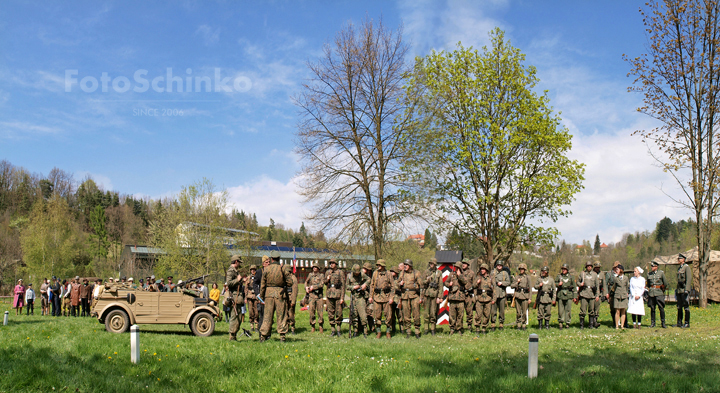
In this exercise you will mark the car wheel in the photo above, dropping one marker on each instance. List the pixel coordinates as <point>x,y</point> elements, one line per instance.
<point>202,324</point>
<point>117,321</point>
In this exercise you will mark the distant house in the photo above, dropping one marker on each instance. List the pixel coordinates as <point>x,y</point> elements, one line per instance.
<point>603,247</point>
<point>420,239</point>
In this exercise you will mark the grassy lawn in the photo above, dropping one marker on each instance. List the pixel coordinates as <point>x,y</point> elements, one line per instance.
<point>77,354</point>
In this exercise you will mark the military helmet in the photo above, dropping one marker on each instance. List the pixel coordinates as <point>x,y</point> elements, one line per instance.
<point>236,258</point>
<point>367,266</point>
<point>316,264</point>
<point>395,270</point>
<point>484,266</point>
<point>596,264</point>
<point>275,255</point>
<point>466,261</point>
<point>565,266</point>
<point>588,263</point>
<point>458,265</point>
<point>522,266</point>
<point>433,261</point>
<point>265,258</point>
<point>332,260</point>
<point>545,269</point>
<point>380,262</point>
<point>356,269</point>
<point>253,267</point>
<point>499,262</point>
<point>408,262</point>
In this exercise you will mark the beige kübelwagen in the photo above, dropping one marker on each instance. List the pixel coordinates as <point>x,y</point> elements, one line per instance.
<point>119,306</point>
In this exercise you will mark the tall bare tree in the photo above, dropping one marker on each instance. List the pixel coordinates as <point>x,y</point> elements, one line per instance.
<point>680,80</point>
<point>349,134</point>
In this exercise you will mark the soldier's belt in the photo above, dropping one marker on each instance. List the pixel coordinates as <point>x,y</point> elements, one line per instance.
<point>411,290</point>
<point>522,290</point>
<point>656,286</point>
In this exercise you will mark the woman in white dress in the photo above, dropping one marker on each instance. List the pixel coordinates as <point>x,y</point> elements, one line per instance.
<point>636,306</point>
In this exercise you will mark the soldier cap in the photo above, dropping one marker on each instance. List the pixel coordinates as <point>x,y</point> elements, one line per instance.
<point>458,264</point>
<point>408,263</point>
<point>380,262</point>
<point>356,269</point>
<point>588,263</point>
<point>253,267</point>
<point>275,255</point>
<point>332,260</point>
<point>265,258</point>
<point>596,264</point>
<point>565,266</point>
<point>545,269</point>
<point>484,266</point>
<point>522,266</point>
<point>653,263</point>
<point>395,270</point>
<point>620,267</point>
<point>367,266</point>
<point>681,256</point>
<point>616,264</point>
<point>129,279</point>
<point>433,261</point>
<point>235,258</point>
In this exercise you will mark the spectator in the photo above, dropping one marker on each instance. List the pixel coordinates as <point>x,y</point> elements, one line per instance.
<point>169,286</point>
<point>65,295</point>
<point>202,288</point>
<point>19,300</point>
<point>44,303</point>
<point>56,300</point>
<point>85,295</point>
<point>75,297</point>
<point>30,300</point>
<point>214,295</point>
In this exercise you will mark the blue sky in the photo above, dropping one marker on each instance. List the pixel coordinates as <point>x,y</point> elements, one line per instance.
<point>150,143</point>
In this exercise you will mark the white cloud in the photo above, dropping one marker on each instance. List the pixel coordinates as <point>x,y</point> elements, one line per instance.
<point>269,198</point>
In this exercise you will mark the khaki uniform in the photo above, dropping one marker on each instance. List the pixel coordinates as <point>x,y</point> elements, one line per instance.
<point>544,299</point>
<point>602,292</point>
<point>315,298</point>
<point>410,290</point>
<point>656,283</point>
<point>396,318</point>
<point>609,280</point>
<point>456,301</point>
<point>484,297</point>
<point>275,280</point>
<point>566,292</point>
<point>469,288</point>
<point>292,302</point>
<point>522,296</point>
<point>234,283</point>
<point>251,301</point>
<point>589,289</point>
<point>682,293</point>
<point>381,288</point>
<point>497,310</point>
<point>335,281</point>
<point>358,305</point>
<point>432,285</point>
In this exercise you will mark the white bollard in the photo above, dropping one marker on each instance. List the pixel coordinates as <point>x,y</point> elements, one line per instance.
<point>533,356</point>
<point>5,321</point>
<point>135,344</point>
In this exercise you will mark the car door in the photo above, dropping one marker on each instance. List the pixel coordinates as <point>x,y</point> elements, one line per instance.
<point>146,306</point>
<point>171,310</point>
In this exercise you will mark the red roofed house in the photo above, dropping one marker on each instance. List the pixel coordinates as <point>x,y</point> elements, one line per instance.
<point>420,239</point>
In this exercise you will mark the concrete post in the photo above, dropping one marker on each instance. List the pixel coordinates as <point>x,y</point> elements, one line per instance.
<point>5,321</point>
<point>533,356</point>
<point>135,344</point>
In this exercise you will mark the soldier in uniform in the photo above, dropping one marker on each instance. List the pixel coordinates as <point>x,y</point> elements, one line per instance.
<point>566,293</point>
<point>251,299</point>
<point>234,283</point>
<point>621,290</point>
<point>358,283</point>
<point>273,291</point>
<point>432,284</point>
<point>588,287</point>
<point>314,287</point>
<point>381,288</point>
<point>484,299</point>
<point>368,271</point>
<point>682,292</point>
<point>456,298</point>
<point>602,291</point>
<point>545,298</point>
<point>501,278</point>
<point>335,281</point>
<point>610,295</point>
<point>469,278</point>
<point>410,284</point>
<point>292,302</point>
<point>656,284</point>
<point>522,295</point>
<point>396,317</point>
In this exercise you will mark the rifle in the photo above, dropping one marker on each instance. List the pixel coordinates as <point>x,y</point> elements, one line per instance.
<point>193,280</point>
<point>352,308</point>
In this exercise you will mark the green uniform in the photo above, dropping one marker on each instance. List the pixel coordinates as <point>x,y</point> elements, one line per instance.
<point>484,297</point>
<point>469,288</point>
<point>358,317</point>
<point>501,279</point>
<point>410,289</point>
<point>432,285</point>
<point>273,291</point>
<point>656,283</point>
<point>682,293</point>
<point>566,292</point>
<point>456,301</point>
<point>621,289</point>
<point>609,282</point>
<point>292,302</point>
<point>544,299</point>
<point>522,295</point>
<point>335,281</point>
<point>381,288</point>
<point>316,281</point>
<point>234,283</point>
<point>589,289</point>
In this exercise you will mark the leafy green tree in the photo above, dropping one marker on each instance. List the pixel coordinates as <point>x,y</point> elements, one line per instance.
<point>664,230</point>
<point>487,154</point>
<point>98,239</point>
<point>428,237</point>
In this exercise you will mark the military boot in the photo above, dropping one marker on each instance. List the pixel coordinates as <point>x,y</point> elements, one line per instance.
<point>540,324</point>
<point>560,325</point>
<point>582,323</point>
<point>662,324</point>
<point>417,335</point>
<point>408,334</point>
<point>547,324</point>
<point>652,323</point>
<point>233,337</point>
<point>432,332</point>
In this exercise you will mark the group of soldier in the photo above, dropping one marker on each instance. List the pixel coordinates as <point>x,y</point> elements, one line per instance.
<point>380,296</point>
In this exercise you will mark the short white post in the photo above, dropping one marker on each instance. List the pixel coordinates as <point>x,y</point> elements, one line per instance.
<point>5,321</point>
<point>533,356</point>
<point>135,344</point>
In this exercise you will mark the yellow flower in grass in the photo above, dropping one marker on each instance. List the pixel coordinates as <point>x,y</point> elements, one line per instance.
<point>286,356</point>
<point>177,346</point>
<point>109,357</point>
<point>115,353</point>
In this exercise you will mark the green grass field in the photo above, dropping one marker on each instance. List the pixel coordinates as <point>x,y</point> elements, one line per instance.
<point>46,354</point>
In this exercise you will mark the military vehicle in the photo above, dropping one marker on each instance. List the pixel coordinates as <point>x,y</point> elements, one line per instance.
<point>118,306</point>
